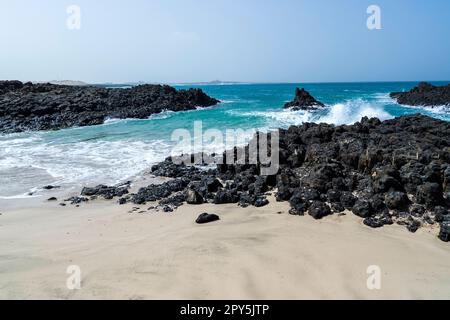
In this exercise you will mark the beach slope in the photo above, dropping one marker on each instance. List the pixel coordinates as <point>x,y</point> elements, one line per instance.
<point>251,253</point>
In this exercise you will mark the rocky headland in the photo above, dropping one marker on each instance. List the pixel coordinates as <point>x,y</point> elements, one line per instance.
<point>396,171</point>
<point>44,106</point>
<point>424,94</point>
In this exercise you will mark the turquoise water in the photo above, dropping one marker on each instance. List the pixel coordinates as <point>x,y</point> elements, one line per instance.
<point>120,149</point>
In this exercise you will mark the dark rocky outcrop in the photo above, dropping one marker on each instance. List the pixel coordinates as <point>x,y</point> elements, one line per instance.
<point>424,94</point>
<point>396,171</point>
<point>27,106</point>
<point>160,191</point>
<point>10,85</point>
<point>106,191</point>
<point>303,101</point>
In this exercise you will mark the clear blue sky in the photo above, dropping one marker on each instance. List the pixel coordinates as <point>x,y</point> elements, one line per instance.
<point>246,40</point>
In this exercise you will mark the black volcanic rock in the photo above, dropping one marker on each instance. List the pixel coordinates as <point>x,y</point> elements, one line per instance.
<point>226,196</point>
<point>429,194</point>
<point>106,191</point>
<point>193,197</point>
<point>363,209</point>
<point>27,107</point>
<point>424,94</point>
<point>10,85</point>
<point>444,233</point>
<point>159,191</point>
<point>396,171</point>
<point>318,210</point>
<point>303,101</point>
<point>207,218</point>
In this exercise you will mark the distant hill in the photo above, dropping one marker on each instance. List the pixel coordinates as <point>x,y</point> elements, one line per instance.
<point>67,83</point>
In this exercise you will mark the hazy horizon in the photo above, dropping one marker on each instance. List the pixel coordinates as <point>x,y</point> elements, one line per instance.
<point>193,41</point>
<point>232,82</point>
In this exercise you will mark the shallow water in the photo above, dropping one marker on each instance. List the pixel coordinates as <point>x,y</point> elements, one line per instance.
<point>120,149</point>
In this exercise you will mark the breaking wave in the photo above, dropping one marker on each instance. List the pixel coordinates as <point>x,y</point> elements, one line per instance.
<point>342,113</point>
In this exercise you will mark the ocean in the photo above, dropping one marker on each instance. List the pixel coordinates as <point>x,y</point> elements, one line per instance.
<point>120,149</point>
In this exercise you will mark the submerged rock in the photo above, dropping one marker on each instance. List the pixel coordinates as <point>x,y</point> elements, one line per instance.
<point>50,187</point>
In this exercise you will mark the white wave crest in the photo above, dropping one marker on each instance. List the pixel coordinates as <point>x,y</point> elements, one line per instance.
<point>351,112</point>
<point>278,118</point>
<point>438,110</point>
<point>348,112</point>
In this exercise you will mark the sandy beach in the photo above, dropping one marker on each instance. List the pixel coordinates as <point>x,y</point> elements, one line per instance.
<point>250,253</point>
<point>204,151</point>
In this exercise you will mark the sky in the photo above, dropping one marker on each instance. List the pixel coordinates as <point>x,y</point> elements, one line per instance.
<point>172,41</point>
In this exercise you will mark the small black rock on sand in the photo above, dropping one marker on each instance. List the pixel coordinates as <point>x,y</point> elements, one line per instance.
<point>207,218</point>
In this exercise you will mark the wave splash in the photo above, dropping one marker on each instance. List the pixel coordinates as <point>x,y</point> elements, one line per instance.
<point>352,112</point>
<point>342,113</point>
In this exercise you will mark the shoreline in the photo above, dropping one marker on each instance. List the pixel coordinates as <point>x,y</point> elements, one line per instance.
<point>312,230</point>
<point>251,253</point>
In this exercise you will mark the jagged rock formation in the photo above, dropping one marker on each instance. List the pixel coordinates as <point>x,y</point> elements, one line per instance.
<point>424,94</point>
<point>396,171</point>
<point>27,106</point>
<point>303,101</point>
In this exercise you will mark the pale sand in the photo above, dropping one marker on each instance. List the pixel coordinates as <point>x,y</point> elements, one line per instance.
<point>249,254</point>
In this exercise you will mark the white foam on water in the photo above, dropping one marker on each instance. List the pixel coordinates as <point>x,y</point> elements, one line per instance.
<point>348,112</point>
<point>20,196</point>
<point>87,162</point>
<point>113,121</point>
<point>438,110</point>
<point>278,118</point>
<point>384,98</point>
<point>97,161</point>
<point>227,101</point>
<point>165,114</point>
<point>162,115</point>
<point>353,111</point>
